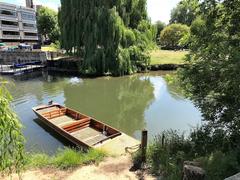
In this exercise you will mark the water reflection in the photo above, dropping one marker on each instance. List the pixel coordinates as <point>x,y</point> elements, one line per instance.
<point>119,102</point>
<point>129,103</point>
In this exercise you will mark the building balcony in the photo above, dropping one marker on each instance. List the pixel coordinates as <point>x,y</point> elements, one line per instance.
<point>29,29</point>
<point>29,21</point>
<point>31,38</point>
<point>11,37</point>
<point>10,27</point>
<point>8,17</point>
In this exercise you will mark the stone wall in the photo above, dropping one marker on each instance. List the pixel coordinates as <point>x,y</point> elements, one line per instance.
<point>8,57</point>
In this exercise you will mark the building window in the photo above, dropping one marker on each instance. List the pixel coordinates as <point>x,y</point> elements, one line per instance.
<point>30,34</point>
<point>28,16</point>
<point>9,23</point>
<point>11,33</point>
<point>8,13</point>
<point>26,25</point>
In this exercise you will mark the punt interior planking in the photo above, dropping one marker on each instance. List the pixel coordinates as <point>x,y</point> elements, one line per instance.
<point>83,130</point>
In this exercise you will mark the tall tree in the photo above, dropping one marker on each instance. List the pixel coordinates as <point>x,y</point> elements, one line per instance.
<point>185,12</point>
<point>211,76</point>
<point>47,22</point>
<point>159,27</point>
<point>105,33</point>
<point>11,138</point>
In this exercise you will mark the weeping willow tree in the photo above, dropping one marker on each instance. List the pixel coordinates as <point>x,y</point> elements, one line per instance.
<point>11,138</point>
<point>111,36</point>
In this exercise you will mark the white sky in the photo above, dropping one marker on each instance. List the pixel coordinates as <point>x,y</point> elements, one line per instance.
<point>160,9</point>
<point>157,9</point>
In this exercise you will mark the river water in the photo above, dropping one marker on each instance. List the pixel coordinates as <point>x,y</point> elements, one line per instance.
<point>129,103</point>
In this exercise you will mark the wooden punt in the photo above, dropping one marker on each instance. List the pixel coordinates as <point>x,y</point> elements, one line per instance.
<point>83,130</point>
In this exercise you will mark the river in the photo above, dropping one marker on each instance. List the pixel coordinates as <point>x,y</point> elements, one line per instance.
<point>129,103</point>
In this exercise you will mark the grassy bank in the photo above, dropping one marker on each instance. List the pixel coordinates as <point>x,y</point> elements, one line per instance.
<point>64,159</point>
<point>168,151</point>
<point>167,57</point>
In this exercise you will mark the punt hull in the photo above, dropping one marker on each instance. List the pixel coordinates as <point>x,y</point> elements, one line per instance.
<point>66,134</point>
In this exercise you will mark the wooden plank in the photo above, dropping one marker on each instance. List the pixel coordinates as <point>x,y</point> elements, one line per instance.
<point>107,138</point>
<point>72,128</point>
<point>62,119</point>
<point>85,133</point>
<point>95,139</point>
<point>53,112</point>
<point>48,109</point>
<point>79,128</point>
<point>118,145</point>
<point>78,122</point>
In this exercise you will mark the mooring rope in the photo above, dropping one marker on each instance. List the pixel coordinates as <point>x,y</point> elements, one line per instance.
<point>133,149</point>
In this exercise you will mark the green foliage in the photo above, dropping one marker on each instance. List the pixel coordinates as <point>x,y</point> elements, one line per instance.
<point>221,165</point>
<point>172,35</point>
<point>64,159</point>
<point>185,12</point>
<point>168,151</point>
<point>47,21</point>
<point>12,141</point>
<point>210,78</point>
<point>56,45</point>
<point>104,34</point>
<point>37,160</point>
<point>159,27</point>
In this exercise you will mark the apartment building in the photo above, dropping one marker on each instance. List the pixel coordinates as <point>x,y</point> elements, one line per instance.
<point>17,23</point>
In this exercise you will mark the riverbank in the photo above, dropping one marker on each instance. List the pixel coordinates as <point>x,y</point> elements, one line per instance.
<point>109,168</point>
<point>161,57</point>
<point>165,60</point>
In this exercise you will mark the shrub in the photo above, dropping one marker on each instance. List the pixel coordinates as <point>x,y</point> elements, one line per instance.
<point>212,148</point>
<point>221,165</point>
<point>166,154</point>
<point>174,36</point>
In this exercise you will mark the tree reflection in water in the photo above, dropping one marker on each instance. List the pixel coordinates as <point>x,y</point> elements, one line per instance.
<point>119,102</point>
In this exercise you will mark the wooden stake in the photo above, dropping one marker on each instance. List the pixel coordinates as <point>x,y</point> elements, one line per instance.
<point>144,145</point>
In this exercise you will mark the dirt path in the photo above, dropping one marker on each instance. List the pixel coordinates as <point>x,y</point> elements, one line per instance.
<point>110,169</point>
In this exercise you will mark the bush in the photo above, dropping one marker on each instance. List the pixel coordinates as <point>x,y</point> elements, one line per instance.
<point>174,36</point>
<point>221,165</point>
<point>212,148</point>
<point>56,45</point>
<point>166,154</point>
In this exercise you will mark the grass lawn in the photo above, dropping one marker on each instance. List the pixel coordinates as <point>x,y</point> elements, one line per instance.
<point>167,57</point>
<point>48,48</point>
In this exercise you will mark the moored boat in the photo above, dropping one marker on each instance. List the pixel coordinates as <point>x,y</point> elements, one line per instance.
<point>83,130</point>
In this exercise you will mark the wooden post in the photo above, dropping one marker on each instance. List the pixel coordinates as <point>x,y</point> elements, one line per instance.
<point>144,145</point>
<point>163,140</point>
